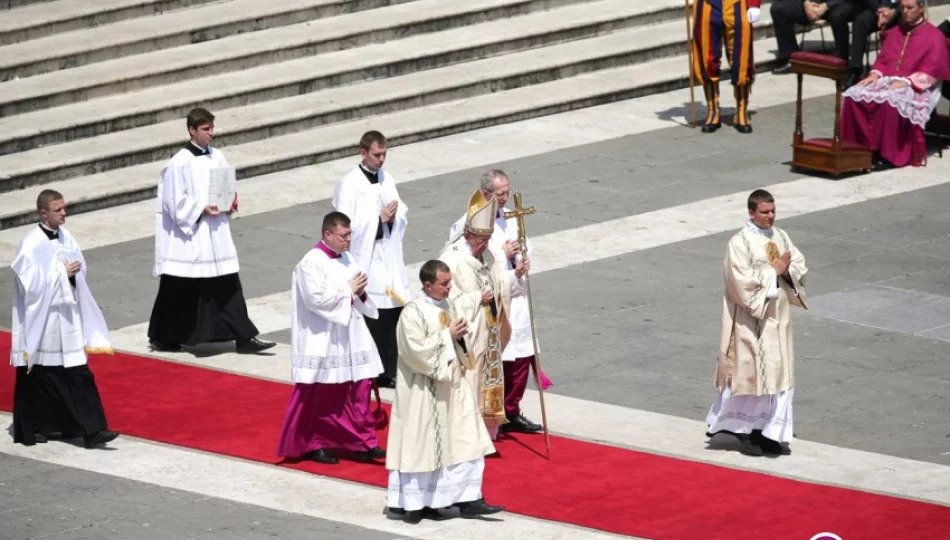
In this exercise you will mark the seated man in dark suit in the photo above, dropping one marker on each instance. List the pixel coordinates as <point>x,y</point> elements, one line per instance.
<point>879,15</point>
<point>787,13</point>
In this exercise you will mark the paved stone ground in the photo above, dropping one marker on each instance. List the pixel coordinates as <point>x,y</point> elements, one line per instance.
<point>40,500</point>
<point>641,330</point>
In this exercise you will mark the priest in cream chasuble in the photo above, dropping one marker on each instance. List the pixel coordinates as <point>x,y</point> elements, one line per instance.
<point>437,438</point>
<point>56,323</point>
<point>475,269</point>
<point>764,277</point>
<point>333,356</point>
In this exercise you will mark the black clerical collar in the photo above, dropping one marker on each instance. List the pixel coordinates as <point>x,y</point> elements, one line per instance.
<point>373,177</point>
<point>197,150</point>
<point>51,234</point>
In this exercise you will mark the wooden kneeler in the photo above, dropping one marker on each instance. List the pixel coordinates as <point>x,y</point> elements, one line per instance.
<point>831,156</point>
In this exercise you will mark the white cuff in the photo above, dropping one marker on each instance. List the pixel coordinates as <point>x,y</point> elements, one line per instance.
<point>753,14</point>
<point>773,285</point>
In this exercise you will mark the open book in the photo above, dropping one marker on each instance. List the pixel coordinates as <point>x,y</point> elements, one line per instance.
<point>222,187</point>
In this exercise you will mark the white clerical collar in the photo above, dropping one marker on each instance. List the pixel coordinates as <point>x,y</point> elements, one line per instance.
<point>437,303</point>
<point>203,150</point>
<point>755,228</point>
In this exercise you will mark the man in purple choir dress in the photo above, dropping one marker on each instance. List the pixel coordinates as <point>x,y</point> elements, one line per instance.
<point>887,111</point>
<point>333,355</point>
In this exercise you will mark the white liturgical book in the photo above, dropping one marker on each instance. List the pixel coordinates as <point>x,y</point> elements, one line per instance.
<point>222,186</point>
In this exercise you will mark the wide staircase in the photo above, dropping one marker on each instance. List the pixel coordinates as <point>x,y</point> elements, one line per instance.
<point>94,93</point>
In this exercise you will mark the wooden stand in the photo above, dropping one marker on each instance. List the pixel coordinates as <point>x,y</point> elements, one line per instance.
<point>831,156</point>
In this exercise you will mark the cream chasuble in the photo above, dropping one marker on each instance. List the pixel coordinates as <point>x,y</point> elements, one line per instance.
<point>756,356</point>
<point>382,259</point>
<point>54,323</point>
<point>187,243</point>
<point>521,344</point>
<point>330,342</point>
<point>434,420</point>
<point>488,333</point>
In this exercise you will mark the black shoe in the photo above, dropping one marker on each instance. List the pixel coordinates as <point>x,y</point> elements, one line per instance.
<point>322,456</point>
<point>743,128</point>
<point>163,347</point>
<point>774,448</point>
<point>783,69</point>
<point>415,516</point>
<point>385,382</point>
<point>746,448</point>
<point>521,424</point>
<point>478,508</point>
<point>711,128</point>
<point>103,437</point>
<point>882,165</point>
<point>375,453</point>
<point>254,345</point>
<point>40,438</point>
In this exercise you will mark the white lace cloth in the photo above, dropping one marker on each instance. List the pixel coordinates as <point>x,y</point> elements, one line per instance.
<point>914,106</point>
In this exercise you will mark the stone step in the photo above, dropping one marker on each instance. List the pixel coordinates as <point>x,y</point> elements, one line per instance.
<point>197,57</point>
<point>24,132</point>
<point>44,19</point>
<point>137,183</point>
<point>182,27</point>
<point>11,4</point>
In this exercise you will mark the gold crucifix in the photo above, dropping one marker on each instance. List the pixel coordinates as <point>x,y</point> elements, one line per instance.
<point>519,213</point>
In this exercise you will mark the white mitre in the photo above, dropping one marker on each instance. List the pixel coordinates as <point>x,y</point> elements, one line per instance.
<point>480,218</point>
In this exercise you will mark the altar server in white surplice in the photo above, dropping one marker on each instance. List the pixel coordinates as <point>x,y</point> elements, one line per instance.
<point>518,355</point>
<point>475,269</point>
<point>200,298</point>
<point>755,375</point>
<point>56,322</point>
<point>437,439</point>
<point>333,356</point>
<point>367,194</point>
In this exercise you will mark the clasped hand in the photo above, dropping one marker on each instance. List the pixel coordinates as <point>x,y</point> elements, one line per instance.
<point>814,10</point>
<point>72,268</point>
<point>358,283</point>
<point>512,248</point>
<point>487,296</point>
<point>389,211</point>
<point>458,329</point>
<point>782,263</point>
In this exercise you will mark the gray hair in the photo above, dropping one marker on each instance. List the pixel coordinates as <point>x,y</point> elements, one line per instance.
<point>488,179</point>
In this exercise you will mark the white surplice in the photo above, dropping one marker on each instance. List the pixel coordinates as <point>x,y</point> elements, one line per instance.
<point>437,439</point>
<point>382,259</point>
<point>54,323</point>
<point>521,344</point>
<point>187,243</point>
<point>329,338</point>
<point>755,373</point>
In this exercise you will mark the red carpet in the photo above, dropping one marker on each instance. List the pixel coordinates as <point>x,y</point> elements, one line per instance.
<point>590,485</point>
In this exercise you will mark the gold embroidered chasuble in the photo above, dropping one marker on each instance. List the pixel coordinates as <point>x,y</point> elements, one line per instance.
<point>756,354</point>
<point>489,329</point>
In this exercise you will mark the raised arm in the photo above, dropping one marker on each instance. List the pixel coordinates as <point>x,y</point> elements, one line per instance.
<point>329,301</point>
<point>422,349</point>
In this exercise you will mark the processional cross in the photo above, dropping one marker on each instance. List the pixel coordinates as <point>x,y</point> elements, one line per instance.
<point>519,213</point>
